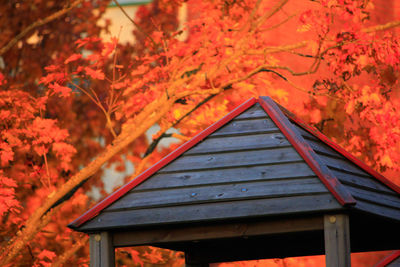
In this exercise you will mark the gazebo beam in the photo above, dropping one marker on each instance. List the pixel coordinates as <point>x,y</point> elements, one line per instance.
<point>213,231</point>
<point>337,240</point>
<point>101,250</point>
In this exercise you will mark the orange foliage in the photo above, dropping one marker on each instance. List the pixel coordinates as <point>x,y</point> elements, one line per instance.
<point>72,105</point>
<point>365,259</point>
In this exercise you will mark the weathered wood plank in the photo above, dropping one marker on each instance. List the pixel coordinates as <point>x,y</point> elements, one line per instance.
<point>253,208</point>
<point>313,160</point>
<point>317,144</point>
<point>287,170</point>
<point>305,133</point>
<point>101,250</point>
<point>214,231</point>
<point>342,165</point>
<point>337,240</point>
<point>217,193</point>
<point>376,198</point>
<point>368,183</point>
<point>378,209</point>
<point>322,148</point>
<point>264,125</point>
<point>254,112</point>
<point>230,159</point>
<point>95,251</point>
<point>241,142</point>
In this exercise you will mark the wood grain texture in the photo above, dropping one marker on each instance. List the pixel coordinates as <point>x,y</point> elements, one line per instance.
<point>343,165</point>
<point>101,250</point>
<point>359,183</point>
<point>306,152</point>
<point>217,193</point>
<point>322,148</point>
<point>214,211</point>
<point>216,231</point>
<point>241,127</point>
<point>337,240</point>
<point>95,251</point>
<point>304,133</point>
<point>382,211</point>
<point>287,170</point>
<point>231,159</point>
<point>240,142</point>
<point>252,113</point>
<point>376,198</point>
<point>299,123</point>
<point>164,161</point>
<point>367,183</point>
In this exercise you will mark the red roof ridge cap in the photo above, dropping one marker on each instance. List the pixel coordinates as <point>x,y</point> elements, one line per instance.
<point>388,259</point>
<point>306,152</point>
<point>341,150</point>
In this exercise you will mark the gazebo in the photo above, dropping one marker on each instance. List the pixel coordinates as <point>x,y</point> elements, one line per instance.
<point>259,183</point>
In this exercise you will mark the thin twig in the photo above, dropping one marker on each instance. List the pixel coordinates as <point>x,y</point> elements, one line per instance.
<point>382,27</point>
<point>111,98</point>
<point>60,261</point>
<point>47,170</point>
<point>276,49</point>
<point>270,13</point>
<point>96,100</point>
<point>155,142</point>
<point>134,23</point>
<point>280,23</point>
<point>36,24</point>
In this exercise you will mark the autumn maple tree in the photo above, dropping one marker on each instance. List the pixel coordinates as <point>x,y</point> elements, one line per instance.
<point>73,105</point>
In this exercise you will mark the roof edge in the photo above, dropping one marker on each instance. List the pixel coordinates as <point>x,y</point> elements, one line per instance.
<point>95,210</point>
<point>340,150</point>
<point>307,153</point>
<point>388,259</point>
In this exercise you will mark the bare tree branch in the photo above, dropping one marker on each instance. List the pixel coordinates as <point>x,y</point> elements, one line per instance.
<point>36,24</point>
<point>61,260</point>
<point>155,142</point>
<point>382,27</point>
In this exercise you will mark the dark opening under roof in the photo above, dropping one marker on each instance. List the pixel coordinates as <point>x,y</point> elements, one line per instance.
<point>257,161</point>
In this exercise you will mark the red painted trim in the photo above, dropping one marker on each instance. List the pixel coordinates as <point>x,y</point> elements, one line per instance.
<point>167,159</point>
<point>388,259</point>
<point>307,153</point>
<point>339,149</point>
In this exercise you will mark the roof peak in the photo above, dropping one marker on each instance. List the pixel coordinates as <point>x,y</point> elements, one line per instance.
<point>290,127</point>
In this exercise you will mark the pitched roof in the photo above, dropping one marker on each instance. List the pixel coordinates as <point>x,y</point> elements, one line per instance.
<point>259,160</point>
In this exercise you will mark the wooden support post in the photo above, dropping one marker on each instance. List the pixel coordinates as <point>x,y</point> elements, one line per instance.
<point>101,250</point>
<point>337,240</point>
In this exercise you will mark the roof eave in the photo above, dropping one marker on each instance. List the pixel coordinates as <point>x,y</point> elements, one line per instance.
<point>307,153</point>
<point>340,150</point>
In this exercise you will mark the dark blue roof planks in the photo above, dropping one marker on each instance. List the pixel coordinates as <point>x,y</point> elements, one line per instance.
<point>257,163</point>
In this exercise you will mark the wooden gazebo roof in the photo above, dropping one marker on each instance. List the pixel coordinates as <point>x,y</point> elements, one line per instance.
<point>257,163</point>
